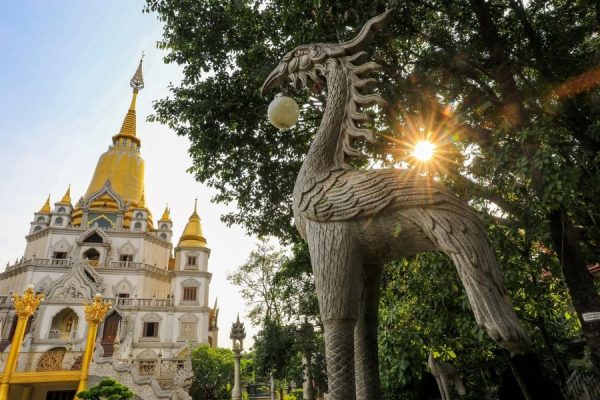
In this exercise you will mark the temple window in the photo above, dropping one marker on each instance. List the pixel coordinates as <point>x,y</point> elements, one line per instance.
<point>59,255</point>
<point>137,225</point>
<point>190,293</point>
<point>61,210</point>
<point>164,227</point>
<point>191,260</point>
<point>150,329</point>
<point>139,215</point>
<point>102,223</point>
<point>126,257</point>
<point>41,219</point>
<point>163,236</point>
<point>95,238</point>
<point>58,221</point>
<point>91,254</point>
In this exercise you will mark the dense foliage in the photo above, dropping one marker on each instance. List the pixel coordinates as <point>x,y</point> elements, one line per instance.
<point>279,294</point>
<point>213,373</point>
<point>107,389</point>
<point>508,90</point>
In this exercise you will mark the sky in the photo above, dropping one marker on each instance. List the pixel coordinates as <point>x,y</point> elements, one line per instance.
<point>65,68</point>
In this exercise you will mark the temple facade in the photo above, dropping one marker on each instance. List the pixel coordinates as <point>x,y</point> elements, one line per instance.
<point>107,243</point>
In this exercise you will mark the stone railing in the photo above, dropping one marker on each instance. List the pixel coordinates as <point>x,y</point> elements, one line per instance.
<point>58,334</point>
<point>126,302</point>
<point>66,262</point>
<point>162,369</point>
<point>44,361</point>
<point>41,262</point>
<point>130,265</point>
<point>583,386</point>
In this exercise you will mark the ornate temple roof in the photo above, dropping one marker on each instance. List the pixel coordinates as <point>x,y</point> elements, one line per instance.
<point>192,234</point>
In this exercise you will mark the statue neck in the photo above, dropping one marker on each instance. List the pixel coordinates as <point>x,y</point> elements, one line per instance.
<point>325,150</point>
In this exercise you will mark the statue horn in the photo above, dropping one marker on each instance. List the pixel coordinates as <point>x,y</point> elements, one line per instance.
<point>365,36</point>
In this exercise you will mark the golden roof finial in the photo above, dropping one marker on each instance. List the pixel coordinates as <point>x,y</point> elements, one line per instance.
<point>128,129</point>
<point>26,304</point>
<point>66,199</point>
<point>97,309</point>
<point>137,82</point>
<point>166,214</point>
<point>192,234</point>
<point>46,207</point>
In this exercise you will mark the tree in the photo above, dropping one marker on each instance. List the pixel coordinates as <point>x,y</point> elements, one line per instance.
<point>279,292</point>
<point>107,389</point>
<point>256,281</point>
<point>213,373</point>
<point>506,89</point>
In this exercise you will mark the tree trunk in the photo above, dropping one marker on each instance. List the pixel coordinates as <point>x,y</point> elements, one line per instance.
<point>579,281</point>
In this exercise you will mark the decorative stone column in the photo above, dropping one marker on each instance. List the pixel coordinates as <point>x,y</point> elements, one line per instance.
<point>25,306</point>
<point>95,312</point>
<point>237,336</point>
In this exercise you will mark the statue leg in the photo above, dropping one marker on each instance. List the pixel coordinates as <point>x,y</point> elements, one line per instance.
<point>447,394</point>
<point>336,263</point>
<point>440,385</point>
<point>366,361</point>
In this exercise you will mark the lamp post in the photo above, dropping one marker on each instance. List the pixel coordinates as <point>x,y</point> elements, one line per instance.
<point>25,306</point>
<point>237,336</point>
<point>95,312</point>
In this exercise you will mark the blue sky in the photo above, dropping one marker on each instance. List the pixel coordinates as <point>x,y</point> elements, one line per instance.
<point>64,90</point>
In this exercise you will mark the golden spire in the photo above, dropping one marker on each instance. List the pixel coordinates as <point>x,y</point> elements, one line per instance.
<point>192,234</point>
<point>122,164</point>
<point>166,214</point>
<point>46,207</point>
<point>142,203</point>
<point>66,199</point>
<point>128,129</point>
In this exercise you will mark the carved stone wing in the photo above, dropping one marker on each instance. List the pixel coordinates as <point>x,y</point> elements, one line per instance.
<point>342,194</point>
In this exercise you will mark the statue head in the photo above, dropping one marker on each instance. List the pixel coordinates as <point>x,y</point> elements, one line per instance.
<point>308,63</point>
<point>313,63</point>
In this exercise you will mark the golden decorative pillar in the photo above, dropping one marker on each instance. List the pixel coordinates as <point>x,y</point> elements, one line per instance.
<point>95,312</point>
<point>25,306</point>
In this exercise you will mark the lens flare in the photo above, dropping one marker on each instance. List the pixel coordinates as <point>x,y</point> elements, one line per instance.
<point>423,150</point>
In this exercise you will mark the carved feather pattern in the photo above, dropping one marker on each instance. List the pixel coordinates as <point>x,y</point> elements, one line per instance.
<point>342,194</point>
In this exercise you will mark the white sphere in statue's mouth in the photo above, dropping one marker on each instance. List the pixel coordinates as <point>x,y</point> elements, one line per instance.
<point>283,112</point>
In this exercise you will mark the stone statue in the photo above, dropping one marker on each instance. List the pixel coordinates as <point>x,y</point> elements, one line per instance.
<point>356,220</point>
<point>445,375</point>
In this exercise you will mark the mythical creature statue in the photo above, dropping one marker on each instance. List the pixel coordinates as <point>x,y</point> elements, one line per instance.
<point>446,376</point>
<point>356,220</point>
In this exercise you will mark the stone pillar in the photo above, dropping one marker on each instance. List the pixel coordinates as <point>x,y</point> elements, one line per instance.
<point>236,392</point>
<point>25,306</point>
<point>94,314</point>
<point>237,336</point>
